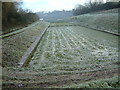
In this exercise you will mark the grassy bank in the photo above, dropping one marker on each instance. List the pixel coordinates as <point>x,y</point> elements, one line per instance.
<point>13,47</point>
<point>12,27</point>
<point>105,20</point>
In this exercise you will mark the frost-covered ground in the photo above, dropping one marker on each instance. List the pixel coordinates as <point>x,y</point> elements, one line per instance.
<point>13,47</point>
<point>105,20</point>
<point>74,49</point>
<point>68,56</point>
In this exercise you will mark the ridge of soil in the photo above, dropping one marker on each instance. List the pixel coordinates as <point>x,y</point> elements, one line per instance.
<point>59,80</point>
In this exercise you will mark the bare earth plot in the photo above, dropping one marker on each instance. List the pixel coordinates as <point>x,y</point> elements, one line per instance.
<point>68,55</point>
<point>73,50</point>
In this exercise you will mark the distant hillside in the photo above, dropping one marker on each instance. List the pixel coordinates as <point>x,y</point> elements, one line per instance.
<point>55,15</point>
<point>104,20</point>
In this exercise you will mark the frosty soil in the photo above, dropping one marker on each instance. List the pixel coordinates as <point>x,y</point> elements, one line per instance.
<point>69,50</point>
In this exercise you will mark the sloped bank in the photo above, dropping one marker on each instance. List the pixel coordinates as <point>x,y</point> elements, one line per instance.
<point>106,21</point>
<point>13,47</point>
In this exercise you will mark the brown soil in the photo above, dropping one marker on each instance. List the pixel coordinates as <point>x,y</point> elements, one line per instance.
<point>53,81</point>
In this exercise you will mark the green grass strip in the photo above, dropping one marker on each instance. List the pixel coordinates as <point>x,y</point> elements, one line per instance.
<point>103,83</point>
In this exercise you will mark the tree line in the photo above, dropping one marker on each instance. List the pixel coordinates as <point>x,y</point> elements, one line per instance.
<point>55,15</point>
<point>13,14</point>
<point>94,7</point>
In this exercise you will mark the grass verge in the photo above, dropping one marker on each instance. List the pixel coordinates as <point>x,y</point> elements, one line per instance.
<point>103,83</point>
<point>13,47</point>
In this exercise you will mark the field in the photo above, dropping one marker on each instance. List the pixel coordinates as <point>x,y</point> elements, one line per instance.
<point>75,49</point>
<point>66,57</point>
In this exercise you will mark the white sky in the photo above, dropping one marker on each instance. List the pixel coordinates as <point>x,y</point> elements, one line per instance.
<point>50,5</point>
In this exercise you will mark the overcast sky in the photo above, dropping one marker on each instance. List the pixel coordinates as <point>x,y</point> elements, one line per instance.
<point>50,5</point>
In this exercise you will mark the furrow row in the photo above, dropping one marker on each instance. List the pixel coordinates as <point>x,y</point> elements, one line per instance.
<point>65,49</point>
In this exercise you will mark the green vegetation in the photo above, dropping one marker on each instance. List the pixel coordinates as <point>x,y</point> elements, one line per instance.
<point>13,16</point>
<point>94,6</point>
<point>56,15</point>
<point>103,83</point>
